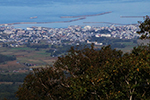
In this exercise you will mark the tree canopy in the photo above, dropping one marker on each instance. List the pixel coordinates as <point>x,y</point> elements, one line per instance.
<point>145,28</point>
<point>5,58</point>
<point>89,74</point>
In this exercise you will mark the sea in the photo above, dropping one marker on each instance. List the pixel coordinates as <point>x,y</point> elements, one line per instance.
<point>14,11</point>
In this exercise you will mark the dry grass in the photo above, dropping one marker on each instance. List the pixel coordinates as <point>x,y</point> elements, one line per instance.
<point>11,65</point>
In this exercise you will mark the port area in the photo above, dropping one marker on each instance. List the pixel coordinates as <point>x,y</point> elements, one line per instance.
<point>42,22</point>
<point>86,15</point>
<point>77,18</point>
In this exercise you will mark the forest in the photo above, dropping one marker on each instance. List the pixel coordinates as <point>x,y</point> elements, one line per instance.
<point>92,75</point>
<point>9,84</point>
<point>12,77</point>
<point>6,58</point>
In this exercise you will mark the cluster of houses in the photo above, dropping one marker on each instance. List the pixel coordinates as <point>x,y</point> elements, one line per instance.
<point>67,36</point>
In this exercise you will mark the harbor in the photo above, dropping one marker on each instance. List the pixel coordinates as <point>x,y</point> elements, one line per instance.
<point>86,15</point>
<point>42,22</point>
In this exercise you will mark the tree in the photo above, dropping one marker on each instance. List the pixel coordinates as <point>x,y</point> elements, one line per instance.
<point>93,75</point>
<point>145,28</point>
<point>5,58</point>
<point>129,77</point>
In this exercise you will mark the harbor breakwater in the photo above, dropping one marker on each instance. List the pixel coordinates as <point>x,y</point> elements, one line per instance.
<point>42,22</point>
<point>86,15</point>
<point>80,18</point>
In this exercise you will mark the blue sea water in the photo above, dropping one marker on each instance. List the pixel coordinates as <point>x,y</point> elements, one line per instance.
<point>12,11</point>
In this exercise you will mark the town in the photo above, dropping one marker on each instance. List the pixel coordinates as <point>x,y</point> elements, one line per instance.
<point>15,37</point>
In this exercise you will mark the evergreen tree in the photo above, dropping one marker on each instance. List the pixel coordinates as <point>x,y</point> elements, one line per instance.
<point>145,28</point>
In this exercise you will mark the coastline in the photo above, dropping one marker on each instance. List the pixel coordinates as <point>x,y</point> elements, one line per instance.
<point>86,15</point>
<point>43,22</point>
<point>80,18</point>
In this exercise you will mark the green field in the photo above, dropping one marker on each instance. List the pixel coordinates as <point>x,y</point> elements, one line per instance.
<point>25,55</point>
<point>40,57</point>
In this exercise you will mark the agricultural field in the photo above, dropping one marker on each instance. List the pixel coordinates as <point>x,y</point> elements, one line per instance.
<point>25,55</point>
<point>43,56</point>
